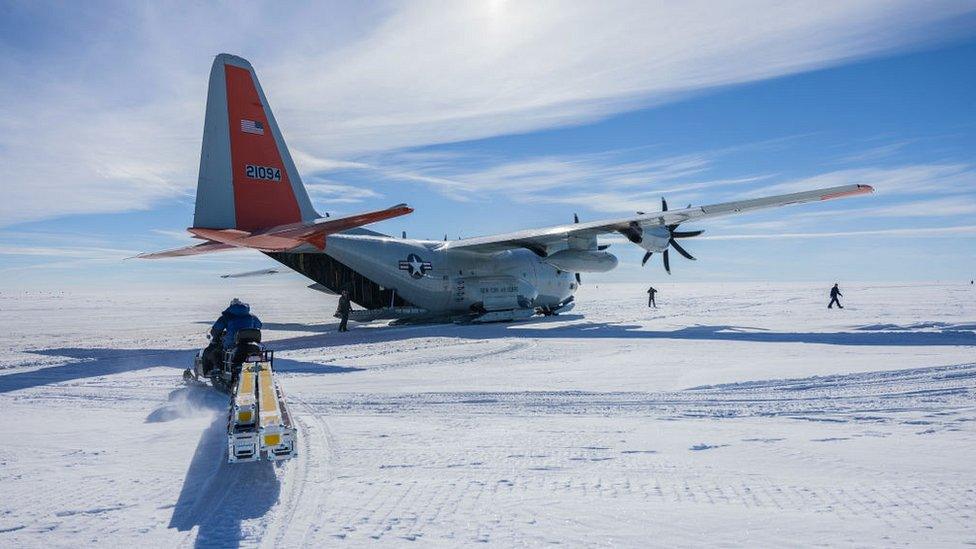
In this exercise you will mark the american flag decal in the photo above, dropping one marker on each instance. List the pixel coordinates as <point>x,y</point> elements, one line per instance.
<point>252,126</point>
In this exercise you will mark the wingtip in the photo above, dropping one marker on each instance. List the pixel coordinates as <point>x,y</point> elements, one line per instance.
<point>841,192</point>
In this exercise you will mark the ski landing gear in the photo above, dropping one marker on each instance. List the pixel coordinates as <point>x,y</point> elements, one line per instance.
<point>259,422</point>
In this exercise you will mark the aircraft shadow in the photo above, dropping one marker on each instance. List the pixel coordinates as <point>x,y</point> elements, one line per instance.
<point>288,366</point>
<point>289,326</point>
<point>604,330</point>
<point>745,334</point>
<point>102,362</point>
<point>94,363</point>
<point>299,327</point>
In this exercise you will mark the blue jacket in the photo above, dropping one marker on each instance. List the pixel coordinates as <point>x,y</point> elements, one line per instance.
<point>233,319</point>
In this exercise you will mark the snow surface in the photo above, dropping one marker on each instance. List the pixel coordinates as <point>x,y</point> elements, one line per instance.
<point>743,415</point>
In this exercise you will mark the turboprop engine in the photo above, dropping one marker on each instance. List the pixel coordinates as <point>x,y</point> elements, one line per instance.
<point>582,261</point>
<point>654,238</point>
<point>658,238</point>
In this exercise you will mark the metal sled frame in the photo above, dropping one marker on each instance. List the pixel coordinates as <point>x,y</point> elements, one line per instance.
<point>259,422</point>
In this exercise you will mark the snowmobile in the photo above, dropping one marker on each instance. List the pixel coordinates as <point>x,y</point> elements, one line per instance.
<point>258,421</point>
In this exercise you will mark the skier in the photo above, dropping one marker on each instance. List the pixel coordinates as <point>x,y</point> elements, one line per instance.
<point>834,294</point>
<point>343,311</point>
<point>235,317</point>
<point>650,297</point>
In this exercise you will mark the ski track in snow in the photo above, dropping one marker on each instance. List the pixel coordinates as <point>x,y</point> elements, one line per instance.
<point>734,415</point>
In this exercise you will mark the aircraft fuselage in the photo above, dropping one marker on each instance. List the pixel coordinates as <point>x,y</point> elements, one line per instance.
<point>445,280</point>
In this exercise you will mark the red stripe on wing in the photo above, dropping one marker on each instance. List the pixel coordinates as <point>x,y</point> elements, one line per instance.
<point>861,189</point>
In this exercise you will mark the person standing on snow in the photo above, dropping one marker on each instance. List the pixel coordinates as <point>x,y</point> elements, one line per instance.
<point>650,297</point>
<point>343,311</point>
<point>834,294</point>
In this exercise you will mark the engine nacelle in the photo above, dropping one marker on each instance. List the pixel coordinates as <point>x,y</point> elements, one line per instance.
<point>582,261</point>
<point>655,238</point>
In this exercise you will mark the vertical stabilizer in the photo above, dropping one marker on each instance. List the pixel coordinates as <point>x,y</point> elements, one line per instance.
<point>247,178</point>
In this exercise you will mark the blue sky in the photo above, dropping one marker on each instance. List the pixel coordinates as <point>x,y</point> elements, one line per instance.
<point>494,116</point>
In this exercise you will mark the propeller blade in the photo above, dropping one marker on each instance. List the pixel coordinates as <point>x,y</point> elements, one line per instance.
<point>633,232</point>
<point>685,234</point>
<point>667,264</point>
<point>677,247</point>
<point>646,257</point>
<point>579,280</point>
<point>664,204</point>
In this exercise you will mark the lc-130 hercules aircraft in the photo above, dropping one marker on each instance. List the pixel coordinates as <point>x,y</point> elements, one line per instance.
<point>249,195</point>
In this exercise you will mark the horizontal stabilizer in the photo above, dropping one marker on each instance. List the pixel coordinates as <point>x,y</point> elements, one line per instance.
<point>322,288</point>
<point>249,274</point>
<point>205,248</point>
<point>286,237</point>
<point>281,238</point>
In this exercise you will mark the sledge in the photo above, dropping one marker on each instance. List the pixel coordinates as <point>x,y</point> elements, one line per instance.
<point>258,423</point>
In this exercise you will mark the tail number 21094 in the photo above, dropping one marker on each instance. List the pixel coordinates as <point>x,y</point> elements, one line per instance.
<point>262,172</point>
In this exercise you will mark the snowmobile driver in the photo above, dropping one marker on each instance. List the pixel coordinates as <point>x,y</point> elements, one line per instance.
<point>235,317</point>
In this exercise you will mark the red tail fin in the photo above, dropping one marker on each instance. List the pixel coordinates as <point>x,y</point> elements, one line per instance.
<point>262,191</point>
<point>248,180</point>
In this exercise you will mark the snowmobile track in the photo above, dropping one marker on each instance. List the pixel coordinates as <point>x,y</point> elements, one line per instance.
<point>299,506</point>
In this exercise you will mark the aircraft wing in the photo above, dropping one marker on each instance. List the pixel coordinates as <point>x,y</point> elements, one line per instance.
<point>538,240</point>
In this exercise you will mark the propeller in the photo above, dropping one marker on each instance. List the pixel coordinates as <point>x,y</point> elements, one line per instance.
<point>673,235</point>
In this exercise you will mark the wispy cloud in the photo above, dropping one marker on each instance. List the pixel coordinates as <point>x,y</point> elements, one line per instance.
<point>333,193</point>
<point>605,181</point>
<point>50,251</point>
<point>111,121</point>
<point>925,232</point>
<point>897,180</point>
<point>930,208</point>
<point>874,154</point>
